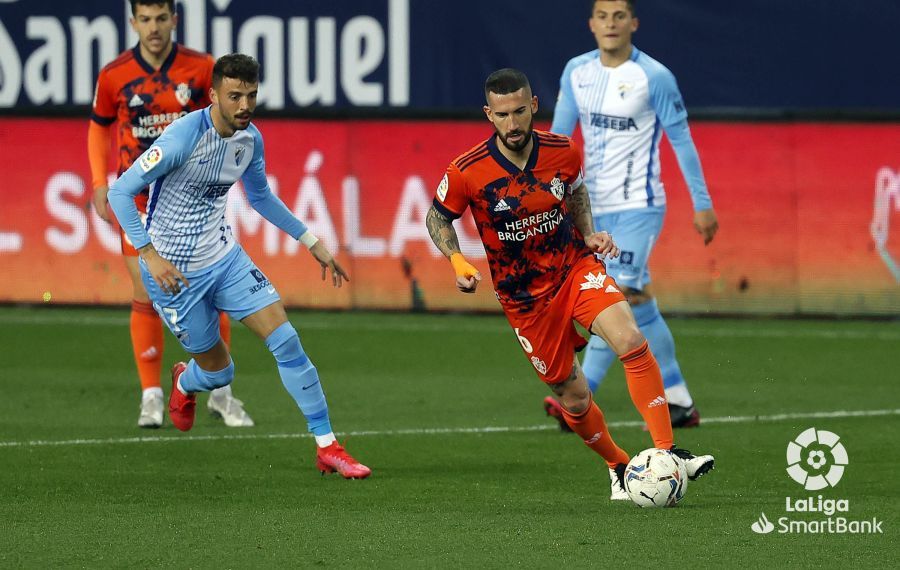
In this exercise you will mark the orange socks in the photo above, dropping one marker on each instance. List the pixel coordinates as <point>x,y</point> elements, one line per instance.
<point>646,387</point>
<point>225,328</point>
<point>591,426</point>
<point>147,342</point>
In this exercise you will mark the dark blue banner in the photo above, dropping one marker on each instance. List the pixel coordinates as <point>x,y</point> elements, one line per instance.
<point>428,55</point>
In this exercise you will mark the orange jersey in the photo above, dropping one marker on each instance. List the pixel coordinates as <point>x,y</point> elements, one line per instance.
<point>145,101</point>
<point>521,215</point>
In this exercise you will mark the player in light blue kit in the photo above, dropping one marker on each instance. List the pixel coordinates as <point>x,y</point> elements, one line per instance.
<point>193,268</point>
<point>623,101</point>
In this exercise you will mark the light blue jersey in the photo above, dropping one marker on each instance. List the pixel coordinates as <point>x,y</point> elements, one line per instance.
<point>623,112</point>
<point>190,169</point>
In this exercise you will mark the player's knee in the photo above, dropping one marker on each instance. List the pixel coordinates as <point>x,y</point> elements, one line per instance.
<point>629,339</point>
<point>284,344</point>
<point>577,402</point>
<point>575,397</point>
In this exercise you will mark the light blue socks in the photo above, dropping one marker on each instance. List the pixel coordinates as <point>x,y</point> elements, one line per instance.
<point>300,378</point>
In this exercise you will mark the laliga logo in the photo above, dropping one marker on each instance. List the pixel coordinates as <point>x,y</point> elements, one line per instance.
<point>816,459</point>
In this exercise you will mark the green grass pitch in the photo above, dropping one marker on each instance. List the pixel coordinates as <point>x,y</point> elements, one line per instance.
<point>413,396</point>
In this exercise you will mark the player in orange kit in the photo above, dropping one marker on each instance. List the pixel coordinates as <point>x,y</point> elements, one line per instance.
<point>527,195</point>
<point>141,91</point>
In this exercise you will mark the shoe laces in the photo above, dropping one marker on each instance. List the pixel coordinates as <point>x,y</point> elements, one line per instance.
<point>337,451</point>
<point>620,474</point>
<point>682,453</point>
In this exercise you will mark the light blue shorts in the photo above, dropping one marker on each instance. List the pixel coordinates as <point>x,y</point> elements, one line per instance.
<point>635,232</point>
<point>233,284</point>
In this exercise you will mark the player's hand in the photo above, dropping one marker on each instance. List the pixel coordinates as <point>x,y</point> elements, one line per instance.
<point>467,275</point>
<point>707,224</point>
<point>327,261</point>
<point>602,243</point>
<point>163,272</point>
<point>101,204</point>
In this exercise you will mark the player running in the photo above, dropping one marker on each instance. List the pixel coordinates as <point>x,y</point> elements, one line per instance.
<point>192,267</point>
<point>624,100</point>
<point>141,92</point>
<point>531,207</point>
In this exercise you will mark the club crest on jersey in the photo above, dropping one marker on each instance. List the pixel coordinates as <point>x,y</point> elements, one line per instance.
<point>442,188</point>
<point>151,158</point>
<point>625,89</point>
<point>539,364</point>
<point>239,154</point>
<point>557,187</point>
<point>183,93</point>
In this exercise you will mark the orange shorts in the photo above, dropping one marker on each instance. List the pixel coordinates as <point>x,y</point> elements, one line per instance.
<point>548,335</point>
<point>127,249</point>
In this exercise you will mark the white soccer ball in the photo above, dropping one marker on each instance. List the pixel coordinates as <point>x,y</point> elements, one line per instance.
<point>656,478</point>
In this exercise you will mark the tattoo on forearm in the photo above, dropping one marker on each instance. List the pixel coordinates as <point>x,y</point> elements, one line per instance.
<point>440,228</point>
<point>579,205</point>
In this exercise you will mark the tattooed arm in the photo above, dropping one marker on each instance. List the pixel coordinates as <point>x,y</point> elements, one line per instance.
<point>440,228</point>
<point>579,206</point>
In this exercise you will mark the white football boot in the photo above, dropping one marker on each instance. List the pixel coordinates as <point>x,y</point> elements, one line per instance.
<point>151,409</point>
<point>617,490</point>
<point>224,405</point>
<point>695,465</point>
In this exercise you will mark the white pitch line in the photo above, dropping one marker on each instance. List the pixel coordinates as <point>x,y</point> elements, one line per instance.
<point>442,431</point>
<point>888,331</point>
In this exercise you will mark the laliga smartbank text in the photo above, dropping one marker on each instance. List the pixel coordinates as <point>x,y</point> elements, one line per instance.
<point>830,525</point>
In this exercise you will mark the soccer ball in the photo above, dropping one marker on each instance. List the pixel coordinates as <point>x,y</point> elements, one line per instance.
<point>656,478</point>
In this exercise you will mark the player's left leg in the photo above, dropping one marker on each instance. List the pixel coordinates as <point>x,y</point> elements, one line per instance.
<point>249,297</point>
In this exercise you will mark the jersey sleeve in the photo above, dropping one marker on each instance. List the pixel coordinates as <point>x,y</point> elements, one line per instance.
<point>574,168</point>
<point>261,198</point>
<point>451,198</point>
<point>171,150</point>
<point>565,113</point>
<point>682,143</point>
<point>103,109</point>
<point>665,98</point>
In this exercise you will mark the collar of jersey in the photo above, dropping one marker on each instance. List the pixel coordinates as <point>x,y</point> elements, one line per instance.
<point>149,68</point>
<point>507,163</point>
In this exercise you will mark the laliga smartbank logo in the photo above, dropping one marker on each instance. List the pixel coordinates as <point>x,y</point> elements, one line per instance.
<point>817,459</point>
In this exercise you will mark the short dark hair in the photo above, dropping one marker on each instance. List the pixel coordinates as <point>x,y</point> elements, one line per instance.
<point>237,66</point>
<point>136,3</point>
<point>504,81</point>
<point>630,4</point>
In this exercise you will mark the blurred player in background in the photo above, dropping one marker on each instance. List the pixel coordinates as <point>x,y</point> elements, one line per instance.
<point>191,266</point>
<point>529,201</point>
<point>624,100</point>
<point>142,91</point>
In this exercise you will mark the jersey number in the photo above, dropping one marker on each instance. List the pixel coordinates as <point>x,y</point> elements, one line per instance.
<point>526,345</point>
